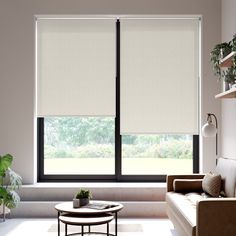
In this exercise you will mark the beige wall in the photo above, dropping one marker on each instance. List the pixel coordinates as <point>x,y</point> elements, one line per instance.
<point>17,128</point>
<point>228,125</point>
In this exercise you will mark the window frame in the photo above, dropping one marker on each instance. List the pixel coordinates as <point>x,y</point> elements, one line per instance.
<point>117,177</point>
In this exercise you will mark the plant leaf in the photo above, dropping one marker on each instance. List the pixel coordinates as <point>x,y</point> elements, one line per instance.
<point>3,192</point>
<point>12,199</point>
<point>5,163</point>
<point>3,195</point>
<point>15,179</point>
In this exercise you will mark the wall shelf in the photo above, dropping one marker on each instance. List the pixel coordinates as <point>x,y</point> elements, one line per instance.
<point>227,94</point>
<point>227,61</point>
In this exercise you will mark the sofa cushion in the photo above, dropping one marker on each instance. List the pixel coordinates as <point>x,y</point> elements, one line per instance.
<point>211,184</point>
<point>184,207</point>
<point>187,185</point>
<point>227,169</point>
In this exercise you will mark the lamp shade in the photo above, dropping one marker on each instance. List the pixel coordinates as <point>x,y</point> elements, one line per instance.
<point>209,130</point>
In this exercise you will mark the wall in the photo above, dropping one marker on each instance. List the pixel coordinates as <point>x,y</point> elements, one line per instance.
<point>17,121</point>
<point>228,125</point>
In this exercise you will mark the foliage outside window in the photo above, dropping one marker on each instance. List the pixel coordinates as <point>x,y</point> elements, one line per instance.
<point>76,145</point>
<point>87,146</point>
<point>152,154</point>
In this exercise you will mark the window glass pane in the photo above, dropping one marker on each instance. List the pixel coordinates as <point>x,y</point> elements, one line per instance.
<point>157,154</point>
<point>79,146</point>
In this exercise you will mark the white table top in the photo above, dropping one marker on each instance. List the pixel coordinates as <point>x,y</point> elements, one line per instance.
<point>67,207</point>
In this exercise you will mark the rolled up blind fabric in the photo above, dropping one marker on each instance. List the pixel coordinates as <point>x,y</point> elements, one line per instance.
<point>159,76</point>
<point>76,67</point>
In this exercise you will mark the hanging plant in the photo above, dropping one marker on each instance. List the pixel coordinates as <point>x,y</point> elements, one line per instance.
<point>229,75</point>
<point>233,43</point>
<point>219,51</point>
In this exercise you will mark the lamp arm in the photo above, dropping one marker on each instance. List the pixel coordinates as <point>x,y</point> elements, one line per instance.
<point>215,119</point>
<point>209,115</point>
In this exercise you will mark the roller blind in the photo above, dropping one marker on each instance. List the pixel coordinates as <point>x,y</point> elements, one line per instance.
<point>159,76</point>
<point>76,67</point>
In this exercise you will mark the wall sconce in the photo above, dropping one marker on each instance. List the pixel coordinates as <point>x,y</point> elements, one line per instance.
<point>209,129</point>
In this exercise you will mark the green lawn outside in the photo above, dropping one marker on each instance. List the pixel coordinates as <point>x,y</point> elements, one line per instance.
<point>130,166</point>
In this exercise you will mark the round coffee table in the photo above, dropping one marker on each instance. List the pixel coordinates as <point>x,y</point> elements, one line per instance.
<point>88,215</point>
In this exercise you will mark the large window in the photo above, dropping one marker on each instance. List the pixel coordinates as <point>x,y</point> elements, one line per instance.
<point>84,149</point>
<point>114,100</point>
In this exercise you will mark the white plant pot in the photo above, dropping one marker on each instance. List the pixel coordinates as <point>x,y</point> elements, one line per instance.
<point>80,202</point>
<point>76,203</point>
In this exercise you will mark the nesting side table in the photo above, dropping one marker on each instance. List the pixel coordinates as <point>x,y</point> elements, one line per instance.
<point>88,216</point>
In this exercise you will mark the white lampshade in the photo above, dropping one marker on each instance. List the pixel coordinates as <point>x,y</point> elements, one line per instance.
<point>209,130</point>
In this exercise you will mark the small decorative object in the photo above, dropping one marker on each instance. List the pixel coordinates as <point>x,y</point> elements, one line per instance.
<point>9,182</point>
<point>82,198</point>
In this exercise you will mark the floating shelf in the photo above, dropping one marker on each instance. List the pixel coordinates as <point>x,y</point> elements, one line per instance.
<point>227,61</point>
<point>227,94</point>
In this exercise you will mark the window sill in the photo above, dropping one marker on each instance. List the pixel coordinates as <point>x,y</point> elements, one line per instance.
<point>95,185</point>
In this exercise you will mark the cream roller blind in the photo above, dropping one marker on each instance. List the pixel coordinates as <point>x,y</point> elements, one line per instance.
<point>76,67</point>
<point>159,76</point>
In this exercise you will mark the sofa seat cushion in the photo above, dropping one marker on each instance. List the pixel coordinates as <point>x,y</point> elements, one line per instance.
<point>184,207</point>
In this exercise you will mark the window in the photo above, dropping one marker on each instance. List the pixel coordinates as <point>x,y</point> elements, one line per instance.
<point>152,154</point>
<point>103,113</point>
<point>79,146</point>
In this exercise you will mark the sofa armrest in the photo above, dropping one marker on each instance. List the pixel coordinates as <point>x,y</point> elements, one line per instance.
<point>216,217</point>
<point>170,179</point>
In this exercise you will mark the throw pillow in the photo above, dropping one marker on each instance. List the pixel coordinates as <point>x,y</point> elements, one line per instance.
<point>187,185</point>
<point>211,184</point>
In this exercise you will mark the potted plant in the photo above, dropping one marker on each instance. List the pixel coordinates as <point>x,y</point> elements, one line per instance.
<point>233,43</point>
<point>230,75</point>
<point>219,51</point>
<point>9,182</point>
<point>82,198</point>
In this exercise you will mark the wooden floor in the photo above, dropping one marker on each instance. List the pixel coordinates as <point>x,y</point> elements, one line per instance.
<point>48,227</point>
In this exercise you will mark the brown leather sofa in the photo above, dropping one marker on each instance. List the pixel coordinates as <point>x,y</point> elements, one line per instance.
<point>196,214</point>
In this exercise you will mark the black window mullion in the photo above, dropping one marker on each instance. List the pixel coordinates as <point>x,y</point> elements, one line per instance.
<point>118,142</point>
<point>40,148</point>
<point>195,153</point>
